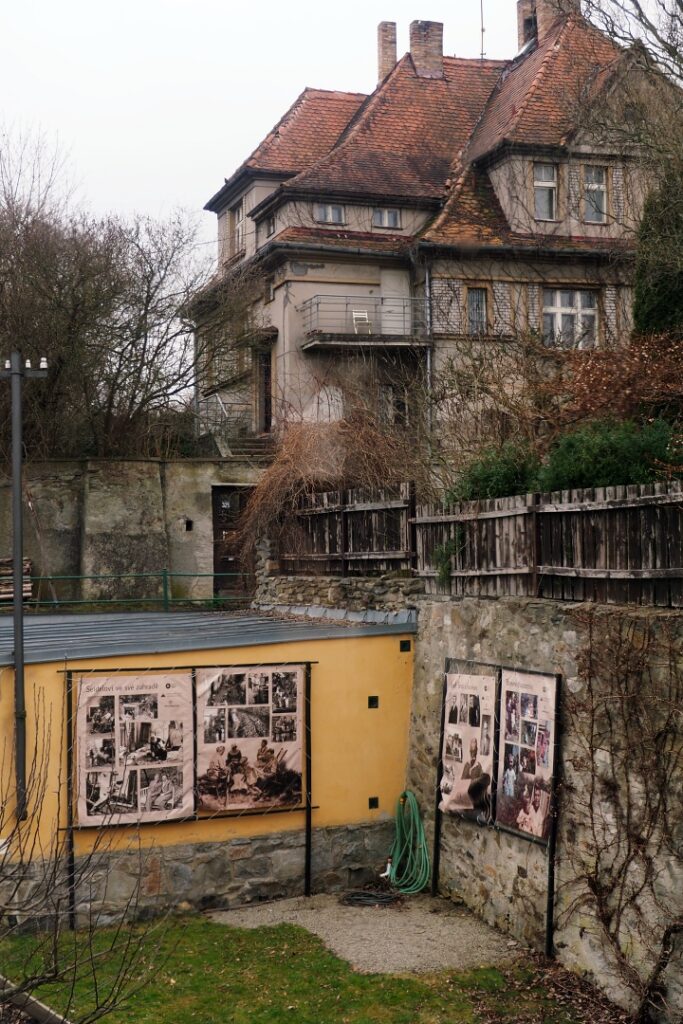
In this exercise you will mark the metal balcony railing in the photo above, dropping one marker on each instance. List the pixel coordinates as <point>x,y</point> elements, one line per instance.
<point>364,316</point>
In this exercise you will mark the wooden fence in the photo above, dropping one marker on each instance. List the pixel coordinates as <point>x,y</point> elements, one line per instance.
<point>606,544</point>
<point>350,533</point>
<point>7,581</point>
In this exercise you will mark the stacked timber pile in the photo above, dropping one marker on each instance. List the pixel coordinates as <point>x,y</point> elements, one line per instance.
<point>6,589</point>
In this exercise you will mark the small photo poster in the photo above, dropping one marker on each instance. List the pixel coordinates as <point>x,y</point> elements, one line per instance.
<point>526,752</point>
<point>134,748</point>
<point>467,753</point>
<point>250,737</point>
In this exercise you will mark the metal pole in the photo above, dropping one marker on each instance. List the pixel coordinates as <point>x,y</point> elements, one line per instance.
<point>15,372</point>
<point>16,377</point>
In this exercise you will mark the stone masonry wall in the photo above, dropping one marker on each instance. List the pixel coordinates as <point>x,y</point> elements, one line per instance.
<point>230,874</point>
<point>499,876</point>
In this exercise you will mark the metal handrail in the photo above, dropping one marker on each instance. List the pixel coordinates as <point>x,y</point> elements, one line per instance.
<point>386,315</point>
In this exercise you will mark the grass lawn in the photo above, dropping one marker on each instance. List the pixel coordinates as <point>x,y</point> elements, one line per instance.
<point>201,972</point>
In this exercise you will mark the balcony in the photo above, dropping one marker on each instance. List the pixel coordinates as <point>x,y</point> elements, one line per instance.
<point>363,321</point>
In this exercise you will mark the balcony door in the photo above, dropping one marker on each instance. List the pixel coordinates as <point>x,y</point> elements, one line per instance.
<point>395,307</point>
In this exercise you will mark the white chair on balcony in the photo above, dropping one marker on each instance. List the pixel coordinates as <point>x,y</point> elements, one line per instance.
<point>361,321</point>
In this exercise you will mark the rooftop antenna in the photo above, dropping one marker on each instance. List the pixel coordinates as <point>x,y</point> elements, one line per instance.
<point>481,8</point>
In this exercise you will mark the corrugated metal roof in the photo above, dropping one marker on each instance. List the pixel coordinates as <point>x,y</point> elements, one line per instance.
<point>75,637</point>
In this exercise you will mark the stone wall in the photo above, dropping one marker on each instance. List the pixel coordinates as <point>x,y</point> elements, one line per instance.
<point>504,878</point>
<point>354,593</point>
<point>230,874</point>
<point>100,517</point>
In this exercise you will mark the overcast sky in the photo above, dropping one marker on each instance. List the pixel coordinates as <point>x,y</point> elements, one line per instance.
<point>154,102</point>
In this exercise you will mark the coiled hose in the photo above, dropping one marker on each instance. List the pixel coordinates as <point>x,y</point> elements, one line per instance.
<point>410,868</point>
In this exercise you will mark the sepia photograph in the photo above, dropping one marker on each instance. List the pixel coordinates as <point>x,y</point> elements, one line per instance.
<point>527,761</point>
<point>512,717</point>
<point>244,723</point>
<point>258,688</point>
<point>142,705</point>
<point>454,746</point>
<point>452,716</point>
<point>543,745</point>
<point>284,728</point>
<point>214,726</point>
<point>529,733</point>
<point>100,750</point>
<point>228,688</point>
<point>99,716</point>
<point>284,685</point>
<point>486,735</point>
<point>529,703</point>
<point>161,789</point>
<point>110,794</point>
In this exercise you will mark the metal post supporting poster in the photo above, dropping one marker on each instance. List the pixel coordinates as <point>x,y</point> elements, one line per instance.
<point>70,853</point>
<point>438,814</point>
<point>552,838</point>
<point>308,762</point>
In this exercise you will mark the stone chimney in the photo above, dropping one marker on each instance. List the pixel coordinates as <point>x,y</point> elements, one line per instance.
<point>526,21</point>
<point>548,11</point>
<point>386,48</point>
<point>426,48</point>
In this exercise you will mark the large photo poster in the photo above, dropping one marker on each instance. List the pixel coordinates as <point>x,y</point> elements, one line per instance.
<point>467,754</point>
<point>134,748</point>
<point>526,752</point>
<point>250,737</point>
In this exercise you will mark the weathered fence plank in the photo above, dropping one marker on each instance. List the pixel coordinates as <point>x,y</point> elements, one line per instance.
<point>608,544</point>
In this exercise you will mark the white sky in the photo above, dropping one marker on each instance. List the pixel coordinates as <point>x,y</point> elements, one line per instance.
<point>154,102</point>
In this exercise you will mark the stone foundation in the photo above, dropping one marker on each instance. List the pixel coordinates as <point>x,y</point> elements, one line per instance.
<point>200,876</point>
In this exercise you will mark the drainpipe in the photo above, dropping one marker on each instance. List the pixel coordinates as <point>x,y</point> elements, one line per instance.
<point>428,318</point>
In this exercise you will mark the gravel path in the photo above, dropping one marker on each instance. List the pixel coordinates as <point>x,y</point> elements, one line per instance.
<point>420,935</point>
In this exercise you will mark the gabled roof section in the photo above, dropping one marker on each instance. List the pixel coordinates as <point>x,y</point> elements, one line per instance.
<point>307,131</point>
<point>404,138</point>
<point>538,98</point>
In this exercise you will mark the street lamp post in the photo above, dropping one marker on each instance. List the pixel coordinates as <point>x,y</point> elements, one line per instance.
<point>15,371</point>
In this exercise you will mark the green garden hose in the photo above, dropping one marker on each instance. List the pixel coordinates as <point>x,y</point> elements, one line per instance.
<point>410,869</point>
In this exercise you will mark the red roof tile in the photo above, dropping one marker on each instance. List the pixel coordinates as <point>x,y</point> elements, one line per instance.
<point>405,137</point>
<point>538,98</point>
<point>303,135</point>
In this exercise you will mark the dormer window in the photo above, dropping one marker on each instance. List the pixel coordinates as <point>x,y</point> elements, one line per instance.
<point>386,217</point>
<point>545,191</point>
<point>329,213</point>
<point>594,194</point>
<point>270,225</point>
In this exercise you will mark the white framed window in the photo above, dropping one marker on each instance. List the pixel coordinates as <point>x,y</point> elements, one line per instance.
<point>329,213</point>
<point>545,191</point>
<point>237,228</point>
<point>594,194</point>
<point>270,225</point>
<point>386,217</point>
<point>570,317</point>
<point>477,310</point>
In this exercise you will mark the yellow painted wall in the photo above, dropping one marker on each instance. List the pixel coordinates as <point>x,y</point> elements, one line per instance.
<point>357,752</point>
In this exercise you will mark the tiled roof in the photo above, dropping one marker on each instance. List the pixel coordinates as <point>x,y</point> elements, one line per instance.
<point>472,218</point>
<point>538,98</point>
<point>404,138</point>
<point>372,241</point>
<point>307,131</point>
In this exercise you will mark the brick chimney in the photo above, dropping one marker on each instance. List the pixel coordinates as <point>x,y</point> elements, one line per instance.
<point>426,48</point>
<point>548,11</point>
<point>526,21</point>
<point>386,48</point>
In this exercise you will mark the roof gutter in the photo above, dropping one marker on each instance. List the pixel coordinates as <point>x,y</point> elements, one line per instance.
<point>591,255</point>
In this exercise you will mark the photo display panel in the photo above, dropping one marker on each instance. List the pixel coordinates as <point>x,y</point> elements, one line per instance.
<point>526,752</point>
<point>134,748</point>
<point>249,737</point>
<point>467,754</point>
